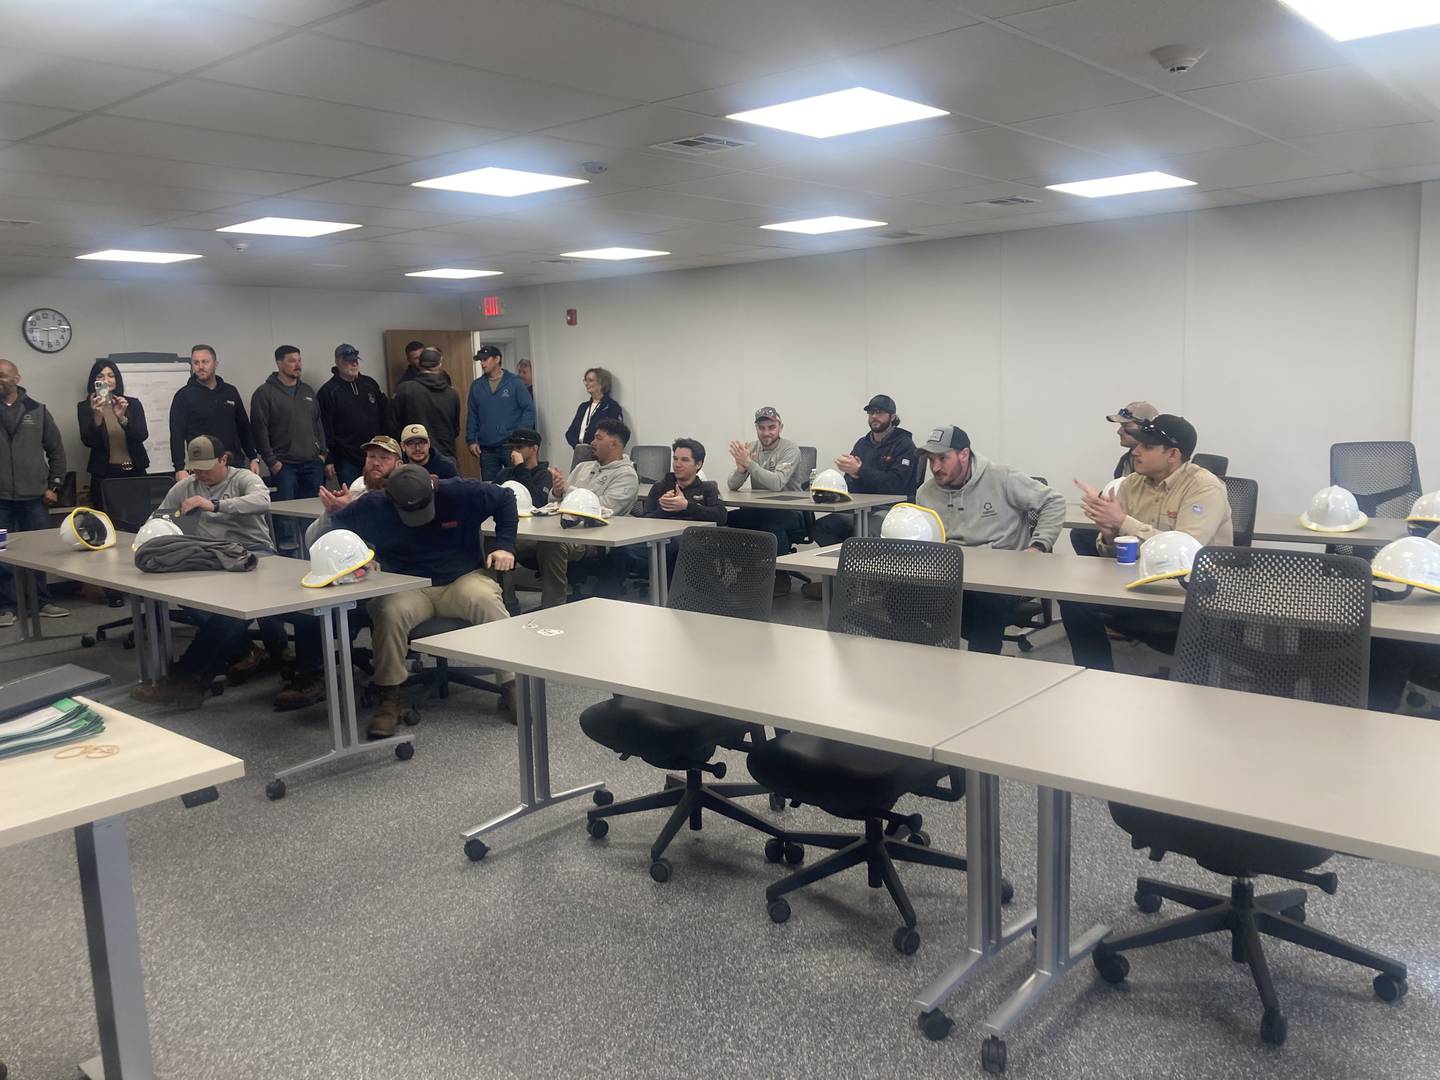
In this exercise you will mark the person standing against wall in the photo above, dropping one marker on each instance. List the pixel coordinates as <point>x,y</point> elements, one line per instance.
<point>499,403</point>
<point>599,405</point>
<point>113,427</point>
<point>353,410</point>
<point>289,436</point>
<point>208,405</point>
<point>32,469</point>
<point>430,401</point>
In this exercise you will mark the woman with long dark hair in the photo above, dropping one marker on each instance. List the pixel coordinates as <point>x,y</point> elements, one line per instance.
<point>113,427</point>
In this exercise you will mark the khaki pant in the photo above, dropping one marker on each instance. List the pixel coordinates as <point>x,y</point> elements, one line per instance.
<point>474,597</point>
<point>554,561</point>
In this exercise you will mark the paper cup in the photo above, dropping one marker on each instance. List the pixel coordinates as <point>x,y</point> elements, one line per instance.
<point>1127,550</point>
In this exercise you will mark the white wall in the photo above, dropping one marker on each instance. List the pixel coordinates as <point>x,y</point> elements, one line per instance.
<point>243,324</point>
<point>1425,408</point>
<point>1277,328</point>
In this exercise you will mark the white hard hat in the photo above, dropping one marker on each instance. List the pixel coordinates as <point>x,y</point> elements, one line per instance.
<point>336,558</point>
<point>906,521</point>
<point>1333,509</point>
<point>88,530</point>
<point>829,486</point>
<point>581,506</point>
<point>523,502</point>
<point>156,526</point>
<point>1165,555</point>
<point>357,486</point>
<point>1426,510</point>
<point>1112,487</point>
<point>1409,561</point>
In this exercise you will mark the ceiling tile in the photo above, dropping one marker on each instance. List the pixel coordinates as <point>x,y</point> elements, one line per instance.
<point>876,175</point>
<point>1003,154</point>
<point>78,214</point>
<point>692,207</point>
<point>1310,103</point>
<point>1409,174</point>
<point>22,121</point>
<point>292,12</point>
<point>1312,185</point>
<point>35,79</point>
<point>368,216</point>
<point>400,197</point>
<point>113,192</point>
<point>1379,148</point>
<point>93,164</point>
<point>1244,166</point>
<point>1140,129</point>
<point>331,70</point>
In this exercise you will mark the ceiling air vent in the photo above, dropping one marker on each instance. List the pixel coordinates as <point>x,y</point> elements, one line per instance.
<point>695,145</point>
<point>563,262</point>
<point>899,234</point>
<point>1008,200</point>
<point>13,223</point>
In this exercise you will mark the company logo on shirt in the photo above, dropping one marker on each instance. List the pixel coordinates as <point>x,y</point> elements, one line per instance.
<point>988,510</point>
<point>1197,508</point>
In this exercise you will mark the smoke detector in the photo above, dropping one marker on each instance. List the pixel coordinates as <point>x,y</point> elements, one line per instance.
<point>594,168</point>
<point>1178,59</point>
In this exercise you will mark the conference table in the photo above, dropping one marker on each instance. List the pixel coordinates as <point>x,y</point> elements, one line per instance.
<point>1094,580</point>
<point>272,588</point>
<point>618,532</point>
<point>132,764</point>
<point>1286,529</point>
<point>858,505</point>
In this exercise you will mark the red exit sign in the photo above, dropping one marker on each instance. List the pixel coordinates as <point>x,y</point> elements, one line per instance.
<point>491,307</point>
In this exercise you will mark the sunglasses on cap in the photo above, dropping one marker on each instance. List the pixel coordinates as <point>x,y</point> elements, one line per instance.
<point>1152,434</point>
<point>1126,415</point>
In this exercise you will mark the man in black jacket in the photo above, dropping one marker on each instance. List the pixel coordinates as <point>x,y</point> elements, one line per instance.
<point>430,401</point>
<point>413,349</point>
<point>415,441</point>
<point>680,495</point>
<point>353,410</point>
<point>525,466</point>
<point>208,405</point>
<point>32,468</point>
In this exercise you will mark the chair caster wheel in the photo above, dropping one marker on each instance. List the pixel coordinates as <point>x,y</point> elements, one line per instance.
<point>920,838</point>
<point>1297,912</point>
<point>777,802</point>
<point>410,717</point>
<point>601,797</point>
<point>1007,891</point>
<point>128,643</point>
<point>1025,645</point>
<point>992,1055</point>
<point>597,828</point>
<point>1147,902</point>
<point>936,1025</point>
<point>774,849</point>
<point>404,751</point>
<point>906,940</point>
<point>476,849</point>
<point>660,871</point>
<point>794,854</point>
<point>1388,988</point>
<point>1113,967</point>
<point>778,910</point>
<point>1273,1027</point>
<point>87,642</point>
<point>275,789</point>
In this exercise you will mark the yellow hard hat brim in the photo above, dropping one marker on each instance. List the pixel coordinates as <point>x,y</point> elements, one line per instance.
<point>109,541</point>
<point>1156,577</point>
<point>1359,523</point>
<point>1383,576</point>
<point>313,580</point>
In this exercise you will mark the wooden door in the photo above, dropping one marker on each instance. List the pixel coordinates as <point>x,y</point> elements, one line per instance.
<point>459,363</point>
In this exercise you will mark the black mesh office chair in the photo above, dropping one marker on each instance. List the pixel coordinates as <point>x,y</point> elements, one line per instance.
<point>651,463</point>
<point>129,502</point>
<point>1244,499</point>
<point>720,571</point>
<point>1215,463</point>
<point>809,457</point>
<point>1288,624</point>
<point>583,452</point>
<point>1384,477</point>
<point>901,590</point>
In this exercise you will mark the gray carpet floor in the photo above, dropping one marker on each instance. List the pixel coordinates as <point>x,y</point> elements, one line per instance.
<point>341,932</point>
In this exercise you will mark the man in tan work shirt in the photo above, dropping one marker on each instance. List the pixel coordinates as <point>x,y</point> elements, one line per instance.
<point>1164,493</point>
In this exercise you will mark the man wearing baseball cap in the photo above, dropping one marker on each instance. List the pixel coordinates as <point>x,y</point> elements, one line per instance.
<point>770,463</point>
<point>352,408</point>
<point>418,451</point>
<point>1083,540</point>
<point>1165,492</point>
<point>426,528</point>
<point>525,466</point>
<point>985,504</point>
<point>882,462</point>
<point>498,404</point>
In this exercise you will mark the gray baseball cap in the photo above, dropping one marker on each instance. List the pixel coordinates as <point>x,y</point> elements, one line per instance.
<point>943,439</point>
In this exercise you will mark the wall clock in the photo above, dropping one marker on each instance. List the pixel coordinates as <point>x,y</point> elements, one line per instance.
<point>47,330</point>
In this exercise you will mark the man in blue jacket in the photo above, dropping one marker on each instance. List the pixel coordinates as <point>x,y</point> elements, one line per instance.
<point>499,403</point>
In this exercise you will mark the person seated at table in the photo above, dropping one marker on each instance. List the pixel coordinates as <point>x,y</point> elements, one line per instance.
<point>1083,540</point>
<point>525,466</point>
<point>1165,492</point>
<point>985,504</point>
<point>416,442</point>
<point>882,462</point>
<point>215,502</point>
<point>611,476</point>
<point>427,528</point>
<point>680,495</point>
<point>770,463</point>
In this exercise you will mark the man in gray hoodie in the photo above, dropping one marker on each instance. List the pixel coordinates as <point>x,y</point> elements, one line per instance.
<point>429,400</point>
<point>289,436</point>
<point>32,468</point>
<point>985,504</point>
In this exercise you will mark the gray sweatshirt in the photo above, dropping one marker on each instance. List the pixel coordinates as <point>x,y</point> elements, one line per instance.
<point>995,507</point>
<point>241,500</point>
<point>776,469</point>
<point>617,484</point>
<point>286,423</point>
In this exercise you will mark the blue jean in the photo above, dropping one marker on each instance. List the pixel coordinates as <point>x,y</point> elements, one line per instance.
<point>296,480</point>
<point>492,460</point>
<point>22,515</point>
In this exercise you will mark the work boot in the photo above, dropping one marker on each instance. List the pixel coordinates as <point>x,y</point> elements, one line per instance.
<point>812,590</point>
<point>180,691</point>
<point>386,717</point>
<point>782,584</point>
<point>255,662</point>
<point>507,701</point>
<point>308,688</point>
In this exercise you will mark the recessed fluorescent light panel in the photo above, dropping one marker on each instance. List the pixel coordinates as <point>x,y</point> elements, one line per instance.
<point>816,226</point>
<point>121,255</point>
<point>451,274</point>
<point>1346,20</point>
<point>288,226</point>
<point>1128,184</point>
<point>612,254</point>
<point>506,183</point>
<point>839,113</point>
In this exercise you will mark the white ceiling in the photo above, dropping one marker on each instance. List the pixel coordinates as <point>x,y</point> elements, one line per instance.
<point>150,123</point>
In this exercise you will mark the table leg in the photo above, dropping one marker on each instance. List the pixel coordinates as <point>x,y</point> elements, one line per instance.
<point>114,940</point>
<point>826,590</point>
<point>1055,951</point>
<point>533,751</point>
<point>862,523</point>
<point>139,611</point>
<point>984,918</point>
<point>27,603</point>
<point>657,575</point>
<point>340,704</point>
<point>163,635</point>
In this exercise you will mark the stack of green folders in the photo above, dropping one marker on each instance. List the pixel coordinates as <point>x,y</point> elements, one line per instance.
<point>66,721</point>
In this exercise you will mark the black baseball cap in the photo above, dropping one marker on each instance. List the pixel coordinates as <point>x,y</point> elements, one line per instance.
<point>487,350</point>
<point>1167,430</point>
<point>409,488</point>
<point>524,436</point>
<point>881,403</point>
<point>944,439</point>
<point>346,352</point>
